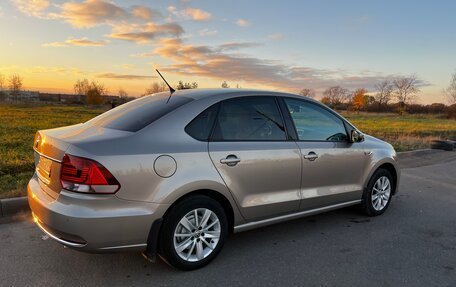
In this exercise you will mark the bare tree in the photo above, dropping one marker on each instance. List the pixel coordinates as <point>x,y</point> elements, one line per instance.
<point>2,86</point>
<point>384,92</point>
<point>450,91</point>
<point>406,88</point>
<point>81,87</point>
<point>122,93</point>
<point>93,91</point>
<point>184,86</point>
<point>15,85</point>
<point>156,88</point>
<point>307,93</point>
<point>2,82</point>
<point>336,95</point>
<point>225,85</point>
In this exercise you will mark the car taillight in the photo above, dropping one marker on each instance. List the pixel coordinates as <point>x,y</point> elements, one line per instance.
<point>85,175</point>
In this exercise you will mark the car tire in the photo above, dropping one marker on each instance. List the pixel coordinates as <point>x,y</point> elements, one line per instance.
<point>377,196</point>
<point>188,244</point>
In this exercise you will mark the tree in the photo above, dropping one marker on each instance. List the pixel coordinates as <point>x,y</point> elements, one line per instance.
<point>81,87</point>
<point>93,91</point>
<point>336,95</point>
<point>185,86</point>
<point>15,85</point>
<point>326,101</point>
<point>225,85</point>
<point>450,91</point>
<point>2,82</point>
<point>384,92</point>
<point>307,93</point>
<point>406,89</point>
<point>2,86</point>
<point>359,99</point>
<point>122,93</point>
<point>156,88</point>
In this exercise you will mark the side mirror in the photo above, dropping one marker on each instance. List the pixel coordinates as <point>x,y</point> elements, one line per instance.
<point>356,136</point>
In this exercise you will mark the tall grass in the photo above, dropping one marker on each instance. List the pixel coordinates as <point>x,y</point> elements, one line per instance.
<point>18,124</point>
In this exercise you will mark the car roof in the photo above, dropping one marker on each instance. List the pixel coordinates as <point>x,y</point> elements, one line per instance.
<point>198,94</point>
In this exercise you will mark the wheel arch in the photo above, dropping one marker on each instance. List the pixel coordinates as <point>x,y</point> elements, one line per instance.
<point>215,195</point>
<point>389,166</point>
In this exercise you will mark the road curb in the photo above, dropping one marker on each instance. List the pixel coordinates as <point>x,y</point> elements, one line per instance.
<point>12,206</point>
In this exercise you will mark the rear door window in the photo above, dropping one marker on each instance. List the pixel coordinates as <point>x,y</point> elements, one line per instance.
<point>249,119</point>
<point>139,113</point>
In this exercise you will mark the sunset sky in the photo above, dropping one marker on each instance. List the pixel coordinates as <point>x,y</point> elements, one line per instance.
<point>279,45</point>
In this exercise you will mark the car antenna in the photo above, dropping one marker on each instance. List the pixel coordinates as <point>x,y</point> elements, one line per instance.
<point>171,90</point>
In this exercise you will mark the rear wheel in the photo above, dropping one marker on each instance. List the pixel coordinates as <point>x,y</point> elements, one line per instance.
<point>193,232</point>
<point>377,196</point>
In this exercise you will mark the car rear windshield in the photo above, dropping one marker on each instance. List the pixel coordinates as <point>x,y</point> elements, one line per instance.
<point>137,114</point>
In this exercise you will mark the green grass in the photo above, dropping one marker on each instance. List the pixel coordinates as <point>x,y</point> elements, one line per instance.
<point>18,124</point>
<point>406,132</point>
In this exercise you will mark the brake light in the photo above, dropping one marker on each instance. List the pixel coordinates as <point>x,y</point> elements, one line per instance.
<point>85,175</point>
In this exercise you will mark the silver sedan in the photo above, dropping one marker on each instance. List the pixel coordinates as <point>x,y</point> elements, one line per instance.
<point>174,174</point>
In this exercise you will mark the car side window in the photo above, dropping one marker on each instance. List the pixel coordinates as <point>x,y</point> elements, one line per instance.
<point>315,123</point>
<point>249,119</point>
<point>201,126</point>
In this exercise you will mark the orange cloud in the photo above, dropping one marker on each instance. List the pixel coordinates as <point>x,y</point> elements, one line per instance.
<point>190,13</point>
<point>214,63</point>
<point>124,76</point>
<point>84,42</point>
<point>142,33</point>
<point>242,23</point>
<point>145,13</point>
<point>32,7</point>
<point>91,12</point>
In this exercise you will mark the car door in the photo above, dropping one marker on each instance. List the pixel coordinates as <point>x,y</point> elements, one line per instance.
<point>332,167</point>
<point>251,151</point>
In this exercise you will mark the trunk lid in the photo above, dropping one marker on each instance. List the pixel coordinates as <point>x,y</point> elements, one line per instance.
<point>50,146</point>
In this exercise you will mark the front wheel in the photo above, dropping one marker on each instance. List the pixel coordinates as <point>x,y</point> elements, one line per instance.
<point>377,196</point>
<point>193,232</point>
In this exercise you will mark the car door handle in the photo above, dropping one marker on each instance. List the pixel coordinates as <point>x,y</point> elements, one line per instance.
<point>311,156</point>
<point>230,160</point>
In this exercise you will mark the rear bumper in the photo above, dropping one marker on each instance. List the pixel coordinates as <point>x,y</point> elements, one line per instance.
<point>93,223</point>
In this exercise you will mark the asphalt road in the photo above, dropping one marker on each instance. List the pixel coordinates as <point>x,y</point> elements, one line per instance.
<point>412,244</point>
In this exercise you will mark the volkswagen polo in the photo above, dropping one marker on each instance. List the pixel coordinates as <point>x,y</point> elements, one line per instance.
<point>174,173</point>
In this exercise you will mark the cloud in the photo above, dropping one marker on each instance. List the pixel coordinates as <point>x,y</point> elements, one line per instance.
<point>83,42</point>
<point>190,13</point>
<point>274,37</point>
<point>237,45</point>
<point>91,12</point>
<point>142,55</point>
<point>211,62</point>
<point>145,13</point>
<point>242,23</point>
<point>207,32</point>
<point>34,8</point>
<point>143,33</point>
<point>124,76</point>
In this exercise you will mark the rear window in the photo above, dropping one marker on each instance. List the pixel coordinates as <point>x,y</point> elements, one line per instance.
<point>137,114</point>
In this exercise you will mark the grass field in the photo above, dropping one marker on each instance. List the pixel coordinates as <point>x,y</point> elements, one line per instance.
<point>18,124</point>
